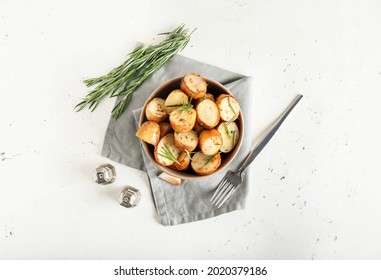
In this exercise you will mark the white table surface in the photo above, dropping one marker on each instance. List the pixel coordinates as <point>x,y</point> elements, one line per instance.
<point>315,189</point>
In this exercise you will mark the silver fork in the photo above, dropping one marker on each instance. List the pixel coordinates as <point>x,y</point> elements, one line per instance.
<point>233,178</point>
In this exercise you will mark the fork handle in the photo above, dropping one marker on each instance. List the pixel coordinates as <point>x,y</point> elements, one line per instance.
<point>259,147</point>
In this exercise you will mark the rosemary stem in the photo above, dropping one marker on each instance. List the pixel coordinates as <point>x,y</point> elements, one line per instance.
<point>140,64</point>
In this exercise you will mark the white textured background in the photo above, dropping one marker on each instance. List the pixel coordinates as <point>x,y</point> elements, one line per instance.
<point>315,189</point>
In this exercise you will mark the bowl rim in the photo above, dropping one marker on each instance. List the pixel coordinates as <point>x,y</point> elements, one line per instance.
<point>177,173</point>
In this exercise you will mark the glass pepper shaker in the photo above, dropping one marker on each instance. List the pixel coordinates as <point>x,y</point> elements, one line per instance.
<point>129,197</point>
<point>104,174</point>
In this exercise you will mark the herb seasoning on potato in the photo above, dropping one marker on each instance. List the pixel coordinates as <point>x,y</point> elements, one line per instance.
<point>183,119</point>
<point>194,85</point>
<point>210,141</point>
<point>204,165</point>
<point>155,110</point>
<point>175,100</point>
<point>208,115</point>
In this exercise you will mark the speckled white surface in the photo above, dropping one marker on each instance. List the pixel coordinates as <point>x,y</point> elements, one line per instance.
<point>316,188</point>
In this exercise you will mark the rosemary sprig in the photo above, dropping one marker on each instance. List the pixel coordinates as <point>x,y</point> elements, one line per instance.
<point>234,137</point>
<point>189,154</point>
<point>210,158</point>
<point>141,63</point>
<point>184,107</point>
<point>167,153</point>
<point>231,107</point>
<point>227,126</point>
<point>231,120</point>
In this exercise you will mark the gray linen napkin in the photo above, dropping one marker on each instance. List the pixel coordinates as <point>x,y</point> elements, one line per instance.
<point>190,201</point>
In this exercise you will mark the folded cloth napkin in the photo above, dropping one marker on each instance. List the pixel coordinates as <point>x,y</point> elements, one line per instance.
<point>190,201</point>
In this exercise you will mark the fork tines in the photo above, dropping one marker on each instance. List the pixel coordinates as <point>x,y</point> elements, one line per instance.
<point>224,190</point>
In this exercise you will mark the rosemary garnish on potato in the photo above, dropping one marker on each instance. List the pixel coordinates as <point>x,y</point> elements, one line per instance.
<point>167,153</point>
<point>231,107</point>
<point>210,158</point>
<point>185,107</point>
<point>141,63</point>
<point>231,120</point>
<point>189,154</point>
<point>234,137</point>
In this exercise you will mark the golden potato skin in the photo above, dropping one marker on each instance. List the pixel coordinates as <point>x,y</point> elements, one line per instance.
<point>230,135</point>
<point>208,115</point>
<point>165,128</point>
<point>184,162</point>
<point>183,120</point>
<point>210,141</point>
<point>175,100</point>
<point>169,141</point>
<point>225,103</point>
<point>186,140</point>
<point>155,110</point>
<point>197,127</point>
<point>193,85</point>
<point>149,132</point>
<point>221,96</point>
<point>207,96</point>
<point>201,166</point>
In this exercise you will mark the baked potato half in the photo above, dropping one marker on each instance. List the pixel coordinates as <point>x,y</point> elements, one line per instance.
<point>182,120</point>
<point>175,100</point>
<point>208,114</point>
<point>155,110</point>
<point>208,96</point>
<point>197,127</point>
<point>228,107</point>
<point>165,128</point>
<point>166,153</point>
<point>149,132</point>
<point>205,164</point>
<point>230,135</point>
<point>193,85</point>
<point>186,140</point>
<point>182,163</point>
<point>210,141</point>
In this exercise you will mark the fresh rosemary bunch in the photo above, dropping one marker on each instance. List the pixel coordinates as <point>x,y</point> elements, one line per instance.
<point>141,63</point>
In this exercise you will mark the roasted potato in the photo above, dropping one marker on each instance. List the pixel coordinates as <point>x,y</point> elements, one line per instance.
<point>183,162</point>
<point>186,140</point>
<point>193,85</point>
<point>228,107</point>
<point>210,141</point>
<point>223,95</point>
<point>207,114</point>
<point>155,110</point>
<point>165,128</point>
<point>230,135</point>
<point>166,152</point>
<point>205,164</point>
<point>175,100</point>
<point>149,132</point>
<point>182,120</point>
<point>197,127</point>
<point>208,96</point>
